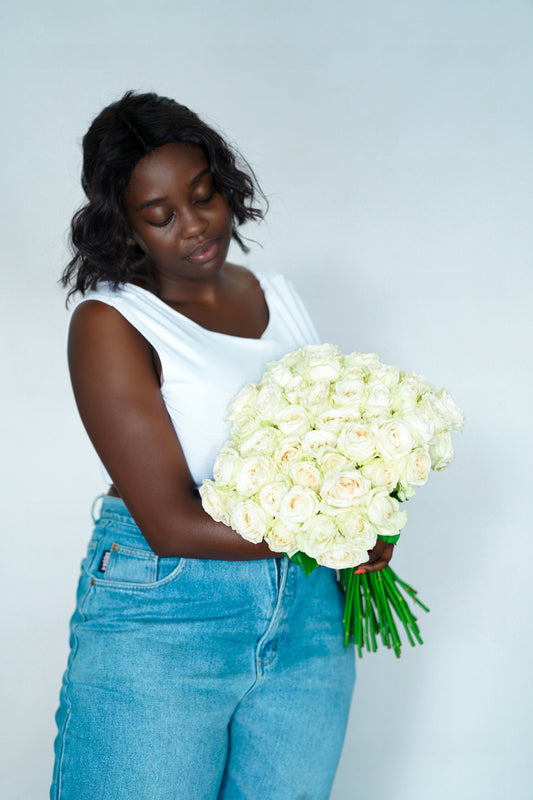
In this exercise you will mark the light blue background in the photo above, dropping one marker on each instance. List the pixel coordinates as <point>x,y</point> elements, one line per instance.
<point>394,143</point>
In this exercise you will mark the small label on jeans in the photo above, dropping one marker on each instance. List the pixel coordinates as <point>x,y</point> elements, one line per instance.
<point>104,561</point>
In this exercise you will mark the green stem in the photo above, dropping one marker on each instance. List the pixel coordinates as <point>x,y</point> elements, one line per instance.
<point>368,617</point>
<point>398,602</point>
<point>403,611</point>
<point>409,589</point>
<point>381,606</point>
<point>372,601</point>
<point>348,578</point>
<point>394,635</point>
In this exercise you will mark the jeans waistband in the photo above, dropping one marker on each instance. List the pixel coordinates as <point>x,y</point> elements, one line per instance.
<point>112,508</point>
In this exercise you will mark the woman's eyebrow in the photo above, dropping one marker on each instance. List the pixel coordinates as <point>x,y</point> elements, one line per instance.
<point>199,176</point>
<point>154,202</point>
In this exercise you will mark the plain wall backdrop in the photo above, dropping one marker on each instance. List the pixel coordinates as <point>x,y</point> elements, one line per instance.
<point>394,143</point>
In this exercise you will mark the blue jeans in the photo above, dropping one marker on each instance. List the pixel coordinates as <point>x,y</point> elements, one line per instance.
<point>193,679</point>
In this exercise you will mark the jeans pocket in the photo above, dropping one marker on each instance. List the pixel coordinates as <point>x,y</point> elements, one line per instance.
<point>169,568</point>
<point>123,566</point>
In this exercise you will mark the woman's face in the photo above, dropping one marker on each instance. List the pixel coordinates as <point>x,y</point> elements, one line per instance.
<point>178,219</point>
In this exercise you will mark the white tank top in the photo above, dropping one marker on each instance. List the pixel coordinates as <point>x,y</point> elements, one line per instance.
<point>201,369</point>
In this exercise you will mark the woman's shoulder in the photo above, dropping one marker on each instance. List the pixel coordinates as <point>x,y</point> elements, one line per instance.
<point>94,307</point>
<point>249,286</point>
<point>99,325</point>
<point>102,342</point>
<point>106,301</point>
<point>247,279</point>
<point>241,277</point>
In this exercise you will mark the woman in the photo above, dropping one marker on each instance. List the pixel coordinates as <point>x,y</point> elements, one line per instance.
<point>201,665</point>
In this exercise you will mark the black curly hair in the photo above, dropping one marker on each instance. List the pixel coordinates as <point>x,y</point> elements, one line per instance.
<point>124,132</point>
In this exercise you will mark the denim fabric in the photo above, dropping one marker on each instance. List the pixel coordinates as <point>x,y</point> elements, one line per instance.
<point>194,679</point>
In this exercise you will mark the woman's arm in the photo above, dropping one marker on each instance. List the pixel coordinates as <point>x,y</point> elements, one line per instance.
<point>117,392</point>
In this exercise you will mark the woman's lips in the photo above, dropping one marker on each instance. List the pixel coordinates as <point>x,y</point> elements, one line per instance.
<point>204,252</point>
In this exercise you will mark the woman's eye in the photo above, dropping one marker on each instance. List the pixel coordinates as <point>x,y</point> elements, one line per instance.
<point>166,221</point>
<point>203,201</point>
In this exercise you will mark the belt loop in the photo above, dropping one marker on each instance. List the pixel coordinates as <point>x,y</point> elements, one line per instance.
<point>96,499</point>
<point>282,567</point>
<point>277,562</point>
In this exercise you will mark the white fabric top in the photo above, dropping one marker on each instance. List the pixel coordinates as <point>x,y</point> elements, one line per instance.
<point>201,369</point>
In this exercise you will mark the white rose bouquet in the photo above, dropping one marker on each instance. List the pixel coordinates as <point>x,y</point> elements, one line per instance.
<point>323,450</point>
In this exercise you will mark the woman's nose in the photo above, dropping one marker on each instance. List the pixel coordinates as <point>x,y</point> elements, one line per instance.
<point>191,223</point>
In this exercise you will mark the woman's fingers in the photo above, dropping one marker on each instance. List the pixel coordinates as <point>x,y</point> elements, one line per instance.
<point>379,557</point>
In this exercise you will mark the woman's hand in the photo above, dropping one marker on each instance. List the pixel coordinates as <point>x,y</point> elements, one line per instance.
<point>379,557</point>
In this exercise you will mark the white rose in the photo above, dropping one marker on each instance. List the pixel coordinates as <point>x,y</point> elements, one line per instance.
<point>254,473</point>
<point>290,360</point>
<point>404,491</point>
<point>261,442</point>
<point>361,362</point>
<point>298,505</point>
<point>416,467</point>
<point>381,474</point>
<point>243,402</point>
<point>305,473</point>
<point>357,529</point>
<point>393,439</point>
<point>384,512</point>
<point>330,511</point>
<point>334,462</point>
<point>441,451</point>
<point>226,465</point>
<point>294,389</point>
<point>342,556</point>
<point>435,409</point>
<point>378,400</point>
<point>322,362</point>
<point>455,417</point>
<point>350,392</point>
<point>293,420</point>
<point>319,352</point>
<point>288,449</point>
<point>343,489</point>
<point>282,539</point>
<point>407,393</point>
<point>249,520</point>
<point>280,373</point>
<point>316,398</point>
<point>420,424</point>
<point>316,441</point>
<point>269,401</point>
<point>214,502</point>
<point>387,374</point>
<point>357,441</point>
<point>243,426</point>
<point>271,495</point>
<point>422,381</point>
<point>334,419</point>
<point>317,536</point>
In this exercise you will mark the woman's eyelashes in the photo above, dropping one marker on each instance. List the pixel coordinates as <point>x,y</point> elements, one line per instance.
<point>199,201</point>
<point>203,201</point>
<point>166,221</point>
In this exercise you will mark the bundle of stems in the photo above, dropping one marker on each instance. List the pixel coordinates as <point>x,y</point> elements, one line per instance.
<point>371,599</point>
